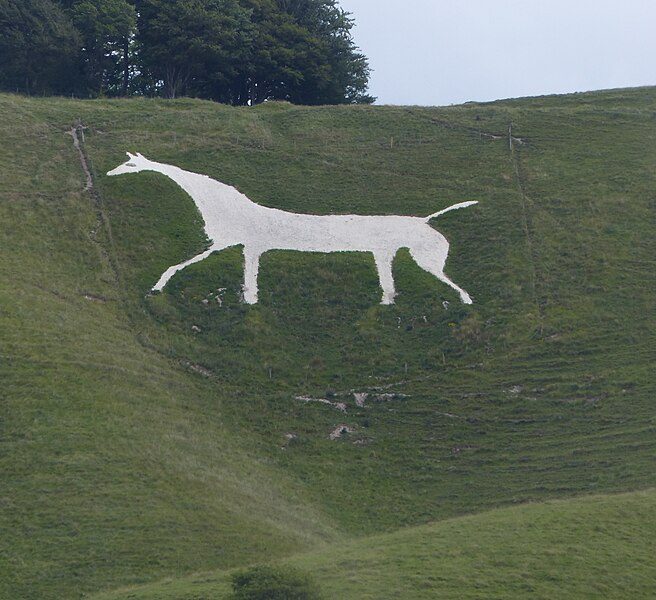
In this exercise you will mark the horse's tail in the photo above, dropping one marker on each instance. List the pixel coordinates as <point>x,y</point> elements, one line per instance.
<point>454,207</point>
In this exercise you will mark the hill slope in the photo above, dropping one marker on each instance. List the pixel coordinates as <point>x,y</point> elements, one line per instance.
<point>594,547</point>
<point>135,446</point>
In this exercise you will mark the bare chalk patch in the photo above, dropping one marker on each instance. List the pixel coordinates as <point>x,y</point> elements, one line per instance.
<point>95,298</point>
<point>341,431</point>
<point>199,369</point>
<point>361,399</point>
<point>76,132</point>
<point>341,406</point>
<point>214,297</point>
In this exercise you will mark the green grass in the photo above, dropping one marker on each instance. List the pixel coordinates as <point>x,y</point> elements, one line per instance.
<point>122,464</point>
<point>594,547</point>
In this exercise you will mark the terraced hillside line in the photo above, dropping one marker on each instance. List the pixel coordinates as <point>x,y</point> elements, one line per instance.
<point>513,146</point>
<point>77,133</point>
<point>477,132</point>
<point>526,220</point>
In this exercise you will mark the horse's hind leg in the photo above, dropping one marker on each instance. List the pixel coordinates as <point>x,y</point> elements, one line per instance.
<point>384,267</point>
<point>431,261</point>
<point>251,269</point>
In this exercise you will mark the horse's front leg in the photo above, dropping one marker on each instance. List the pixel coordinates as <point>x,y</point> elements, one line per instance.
<point>251,268</point>
<point>384,266</point>
<point>164,279</point>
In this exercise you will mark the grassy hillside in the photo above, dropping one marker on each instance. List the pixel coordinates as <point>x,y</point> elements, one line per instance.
<point>596,547</point>
<point>135,447</point>
<point>115,466</point>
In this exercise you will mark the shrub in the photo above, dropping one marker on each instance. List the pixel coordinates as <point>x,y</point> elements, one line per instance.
<point>273,583</point>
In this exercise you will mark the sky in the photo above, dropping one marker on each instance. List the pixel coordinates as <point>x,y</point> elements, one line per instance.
<point>440,52</point>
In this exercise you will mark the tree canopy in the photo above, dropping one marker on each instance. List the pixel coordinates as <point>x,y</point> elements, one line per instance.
<point>38,46</point>
<point>233,51</point>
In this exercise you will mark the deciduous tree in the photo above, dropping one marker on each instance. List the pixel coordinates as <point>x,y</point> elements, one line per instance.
<point>38,45</point>
<point>193,46</point>
<point>233,51</point>
<point>106,27</point>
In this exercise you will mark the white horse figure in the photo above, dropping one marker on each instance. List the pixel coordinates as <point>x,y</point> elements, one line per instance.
<point>232,219</point>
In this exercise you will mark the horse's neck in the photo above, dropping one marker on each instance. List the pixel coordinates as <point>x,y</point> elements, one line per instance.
<point>204,189</point>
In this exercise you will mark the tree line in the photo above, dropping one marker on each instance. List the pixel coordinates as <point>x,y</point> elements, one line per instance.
<point>234,51</point>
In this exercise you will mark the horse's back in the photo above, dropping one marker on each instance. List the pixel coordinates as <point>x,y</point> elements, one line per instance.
<point>332,233</point>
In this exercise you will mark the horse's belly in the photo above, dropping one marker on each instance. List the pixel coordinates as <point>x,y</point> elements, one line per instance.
<point>342,233</point>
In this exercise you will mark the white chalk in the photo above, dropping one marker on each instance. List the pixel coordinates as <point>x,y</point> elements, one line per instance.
<point>232,219</point>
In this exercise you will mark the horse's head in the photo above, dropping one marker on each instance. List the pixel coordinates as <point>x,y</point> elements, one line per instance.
<point>134,164</point>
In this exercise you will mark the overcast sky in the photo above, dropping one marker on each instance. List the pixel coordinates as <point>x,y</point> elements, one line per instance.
<point>437,52</point>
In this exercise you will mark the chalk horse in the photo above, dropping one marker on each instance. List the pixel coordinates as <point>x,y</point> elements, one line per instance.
<point>232,219</point>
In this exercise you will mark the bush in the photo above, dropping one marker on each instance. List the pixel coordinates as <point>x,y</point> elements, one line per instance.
<point>273,583</point>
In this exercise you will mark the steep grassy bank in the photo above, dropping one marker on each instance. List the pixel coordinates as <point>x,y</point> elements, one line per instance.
<point>538,373</point>
<point>115,466</point>
<point>135,447</point>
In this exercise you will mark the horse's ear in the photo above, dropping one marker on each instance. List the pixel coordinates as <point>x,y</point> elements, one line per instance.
<point>139,155</point>
<point>130,155</point>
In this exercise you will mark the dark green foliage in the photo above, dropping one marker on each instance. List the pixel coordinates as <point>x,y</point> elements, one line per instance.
<point>38,46</point>
<point>106,27</point>
<point>193,47</point>
<point>273,583</point>
<point>247,51</point>
<point>233,51</point>
<point>283,56</point>
<point>330,26</point>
